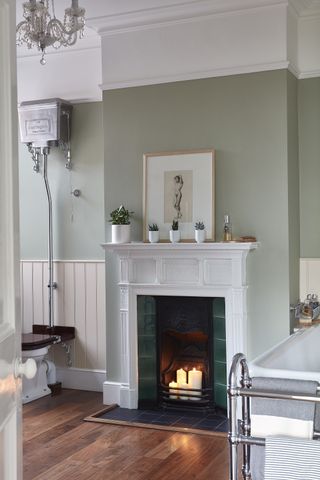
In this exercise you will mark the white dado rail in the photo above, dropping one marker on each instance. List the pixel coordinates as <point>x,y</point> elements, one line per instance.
<point>181,269</point>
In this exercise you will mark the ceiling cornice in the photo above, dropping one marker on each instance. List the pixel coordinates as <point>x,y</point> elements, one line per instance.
<point>306,8</point>
<point>183,12</point>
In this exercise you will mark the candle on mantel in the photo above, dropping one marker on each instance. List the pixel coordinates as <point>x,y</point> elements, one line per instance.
<point>172,389</point>
<point>181,376</point>
<point>195,381</point>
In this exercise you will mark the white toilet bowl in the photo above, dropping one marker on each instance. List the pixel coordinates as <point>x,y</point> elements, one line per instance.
<point>37,386</point>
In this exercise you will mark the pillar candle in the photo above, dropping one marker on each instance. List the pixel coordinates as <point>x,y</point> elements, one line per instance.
<point>172,389</point>
<point>195,381</point>
<point>185,386</point>
<point>181,376</point>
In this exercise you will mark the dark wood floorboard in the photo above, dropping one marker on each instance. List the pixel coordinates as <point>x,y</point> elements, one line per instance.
<point>58,444</point>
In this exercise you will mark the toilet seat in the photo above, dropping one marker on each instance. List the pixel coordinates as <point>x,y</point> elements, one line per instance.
<point>34,341</point>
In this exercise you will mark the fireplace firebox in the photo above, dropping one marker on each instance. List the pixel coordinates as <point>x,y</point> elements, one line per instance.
<point>181,352</point>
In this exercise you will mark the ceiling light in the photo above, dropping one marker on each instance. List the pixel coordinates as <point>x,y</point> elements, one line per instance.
<point>40,27</point>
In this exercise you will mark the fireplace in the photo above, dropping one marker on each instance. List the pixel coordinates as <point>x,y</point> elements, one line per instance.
<point>216,271</point>
<point>181,352</point>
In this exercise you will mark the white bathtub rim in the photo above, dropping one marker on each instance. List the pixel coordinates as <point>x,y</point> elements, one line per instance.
<point>257,369</point>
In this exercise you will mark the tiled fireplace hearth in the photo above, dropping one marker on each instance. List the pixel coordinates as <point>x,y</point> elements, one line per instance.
<point>208,270</point>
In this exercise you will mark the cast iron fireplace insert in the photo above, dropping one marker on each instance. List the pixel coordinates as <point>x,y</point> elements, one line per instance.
<point>182,335</point>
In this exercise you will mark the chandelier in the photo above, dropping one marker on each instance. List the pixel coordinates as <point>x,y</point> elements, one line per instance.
<point>40,27</point>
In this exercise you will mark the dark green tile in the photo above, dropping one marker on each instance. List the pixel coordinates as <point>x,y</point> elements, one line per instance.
<point>218,307</point>
<point>220,372</point>
<point>219,327</point>
<point>220,395</point>
<point>219,352</point>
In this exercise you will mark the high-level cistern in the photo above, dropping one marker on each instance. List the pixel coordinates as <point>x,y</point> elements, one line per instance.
<point>45,124</point>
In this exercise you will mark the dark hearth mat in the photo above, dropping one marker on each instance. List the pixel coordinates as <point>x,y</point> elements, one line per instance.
<point>204,424</point>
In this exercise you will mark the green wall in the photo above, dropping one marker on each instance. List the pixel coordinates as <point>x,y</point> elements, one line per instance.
<point>293,191</point>
<point>309,157</point>
<point>78,223</point>
<point>245,118</point>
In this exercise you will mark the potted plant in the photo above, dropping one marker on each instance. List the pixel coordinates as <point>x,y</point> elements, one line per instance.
<point>174,232</point>
<point>120,225</point>
<point>199,232</point>
<point>154,234</point>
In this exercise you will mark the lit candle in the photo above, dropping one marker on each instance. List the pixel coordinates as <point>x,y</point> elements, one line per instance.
<point>186,387</point>
<point>195,381</point>
<point>172,389</point>
<point>181,376</point>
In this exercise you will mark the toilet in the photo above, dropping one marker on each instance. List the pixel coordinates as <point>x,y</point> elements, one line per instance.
<point>37,346</point>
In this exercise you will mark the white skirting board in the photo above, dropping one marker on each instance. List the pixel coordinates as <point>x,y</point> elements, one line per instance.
<point>81,379</point>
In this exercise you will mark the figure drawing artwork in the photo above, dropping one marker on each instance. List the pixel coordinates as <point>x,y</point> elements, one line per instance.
<point>178,193</point>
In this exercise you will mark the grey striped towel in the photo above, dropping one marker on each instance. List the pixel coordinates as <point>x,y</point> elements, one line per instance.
<point>290,458</point>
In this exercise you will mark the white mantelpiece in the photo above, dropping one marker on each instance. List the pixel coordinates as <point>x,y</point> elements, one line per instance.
<point>183,269</point>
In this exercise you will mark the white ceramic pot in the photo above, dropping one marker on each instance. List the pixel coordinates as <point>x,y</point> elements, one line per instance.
<point>154,236</point>
<point>174,236</point>
<point>120,233</point>
<point>200,236</point>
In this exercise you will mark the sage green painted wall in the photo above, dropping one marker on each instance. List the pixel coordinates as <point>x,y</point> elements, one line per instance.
<point>293,190</point>
<point>78,237</point>
<point>245,118</point>
<point>309,157</point>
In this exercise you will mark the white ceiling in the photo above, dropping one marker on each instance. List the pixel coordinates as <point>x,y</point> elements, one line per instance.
<point>142,42</point>
<point>98,11</point>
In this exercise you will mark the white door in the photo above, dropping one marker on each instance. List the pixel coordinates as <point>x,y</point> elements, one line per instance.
<point>10,343</point>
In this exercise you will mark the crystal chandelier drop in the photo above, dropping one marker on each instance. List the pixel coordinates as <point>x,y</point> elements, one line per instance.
<point>40,27</point>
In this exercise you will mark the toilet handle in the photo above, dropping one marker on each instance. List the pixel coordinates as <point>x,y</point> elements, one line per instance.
<point>28,368</point>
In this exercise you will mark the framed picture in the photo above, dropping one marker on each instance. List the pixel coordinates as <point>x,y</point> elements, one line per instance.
<point>179,186</point>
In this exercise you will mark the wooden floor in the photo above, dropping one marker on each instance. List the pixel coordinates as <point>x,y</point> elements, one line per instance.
<point>58,444</point>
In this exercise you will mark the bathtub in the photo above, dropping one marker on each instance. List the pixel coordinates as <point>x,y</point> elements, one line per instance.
<point>297,357</point>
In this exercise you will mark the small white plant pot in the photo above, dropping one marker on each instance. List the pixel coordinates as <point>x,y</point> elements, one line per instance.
<point>174,236</point>
<point>120,233</point>
<point>154,236</point>
<point>200,236</point>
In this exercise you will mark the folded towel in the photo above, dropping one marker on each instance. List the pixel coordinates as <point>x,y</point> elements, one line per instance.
<point>279,417</point>
<point>283,417</point>
<point>292,459</point>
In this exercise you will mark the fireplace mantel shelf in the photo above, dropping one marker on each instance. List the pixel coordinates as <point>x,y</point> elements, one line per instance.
<point>180,247</point>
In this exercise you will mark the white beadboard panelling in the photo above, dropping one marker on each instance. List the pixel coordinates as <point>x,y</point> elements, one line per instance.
<point>80,314</point>
<point>91,315</point>
<point>303,278</point>
<point>69,294</point>
<point>101,316</point>
<point>79,301</point>
<point>37,294</point>
<point>27,299</point>
<point>309,276</point>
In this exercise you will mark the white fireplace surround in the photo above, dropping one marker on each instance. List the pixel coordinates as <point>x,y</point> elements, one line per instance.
<point>182,269</point>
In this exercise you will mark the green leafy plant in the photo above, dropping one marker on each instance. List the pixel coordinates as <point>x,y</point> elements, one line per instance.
<point>175,225</point>
<point>120,216</point>
<point>153,227</point>
<point>199,226</point>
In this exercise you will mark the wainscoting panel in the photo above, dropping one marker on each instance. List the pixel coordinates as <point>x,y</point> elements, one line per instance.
<point>309,277</point>
<point>79,301</point>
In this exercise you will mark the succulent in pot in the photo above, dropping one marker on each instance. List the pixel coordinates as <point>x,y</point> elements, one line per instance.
<point>175,232</point>
<point>154,234</point>
<point>199,232</point>
<point>120,225</point>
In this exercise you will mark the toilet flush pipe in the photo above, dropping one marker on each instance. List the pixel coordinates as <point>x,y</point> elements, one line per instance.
<point>51,285</point>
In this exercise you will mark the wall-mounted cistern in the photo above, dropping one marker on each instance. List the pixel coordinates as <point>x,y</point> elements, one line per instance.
<point>45,124</point>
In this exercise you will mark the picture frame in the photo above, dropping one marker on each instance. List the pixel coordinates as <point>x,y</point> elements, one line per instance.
<point>179,186</point>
